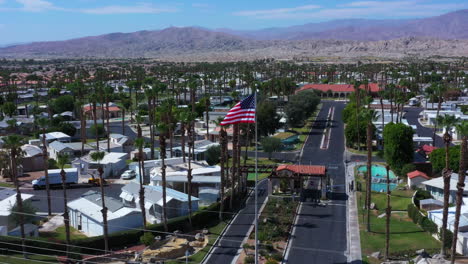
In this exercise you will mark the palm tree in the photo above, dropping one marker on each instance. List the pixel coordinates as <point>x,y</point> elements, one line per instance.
<point>13,143</point>
<point>387,215</point>
<point>370,116</point>
<point>462,130</point>
<point>439,92</point>
<point>163,128</point>
<point>223,141</point>
<point>139,143</point>
<point>93,98</point>
<point>43,123</point>
<point>108,91</point>
<point>62,160</point>
<point>447,121</point>
<point>98,156</point>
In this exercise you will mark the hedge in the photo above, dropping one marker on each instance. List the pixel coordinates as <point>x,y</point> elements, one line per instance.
<point>94,245</point>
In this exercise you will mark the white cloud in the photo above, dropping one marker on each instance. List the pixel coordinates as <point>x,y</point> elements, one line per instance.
<point>37,5</point>
<point>143,8</point>
<point>275,12</point>
<point>357,9</point>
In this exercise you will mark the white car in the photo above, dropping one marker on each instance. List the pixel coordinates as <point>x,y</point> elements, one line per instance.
<point>128,174</point>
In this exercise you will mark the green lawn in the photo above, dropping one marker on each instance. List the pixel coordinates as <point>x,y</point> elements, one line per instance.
<point>59,234</point>
<point>7,185</point>
<point>404,234</point>
<point>261,176</point>
<point>215,231</point>
<point>32,259</point>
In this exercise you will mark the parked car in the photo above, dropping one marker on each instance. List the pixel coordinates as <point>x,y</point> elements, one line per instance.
<point>128,174</point>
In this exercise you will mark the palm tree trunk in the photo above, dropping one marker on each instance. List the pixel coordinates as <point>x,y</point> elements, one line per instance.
<point>189,175</point>
<point>104,210</point>
<point>446,174</point>
<point>369,173</point>
<point>95,126</point>
<point>239,176</point>
<point>223,159</point>
<point>107,125</point>
<point>460,189</point>
<point>83,130</point>
<point>46,173</point>
<point>383,118</point>
<point>123,121</point>
<point>235,140</point>
<point>19,200</point>
<point>66,217</point>
<point>142,189</point>
<point>182,139</point>
<point>247,144</point>
<point>435,126</point>
<point>387,218</point>
<point>162,145</point>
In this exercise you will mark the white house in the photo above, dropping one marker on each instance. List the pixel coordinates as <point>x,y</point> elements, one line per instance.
<point>53,136</point>
<point>176,202</point>
<point>415,178</point>
<point>57,148</point>
<point>113,164</point>
<point>177,167</point>
<point>462,241</point>
<point>86,216</point>
<point>436,187</point>
<point>200,147</point>
<point>7,201</point>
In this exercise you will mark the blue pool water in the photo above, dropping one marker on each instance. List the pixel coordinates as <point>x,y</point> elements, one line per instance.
<point>379,175</point>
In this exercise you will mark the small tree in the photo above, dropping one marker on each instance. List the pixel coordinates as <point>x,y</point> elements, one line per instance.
<point>147,238</point>
<point>212,155</point>
<point>270,145</point>
<point>398,145</point>
<point>28,213</point>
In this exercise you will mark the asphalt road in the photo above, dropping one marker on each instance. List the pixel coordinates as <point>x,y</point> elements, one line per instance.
<point>320,233</point>
<point>411,115</point>
<point>39,200</point>
<point>228,246</point>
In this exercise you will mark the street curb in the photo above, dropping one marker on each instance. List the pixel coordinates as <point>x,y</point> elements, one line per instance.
<point>222,233</point>
<point>354,237</point>
<point>288,244</point>
<point>249,232</point>
<point>225,229</point>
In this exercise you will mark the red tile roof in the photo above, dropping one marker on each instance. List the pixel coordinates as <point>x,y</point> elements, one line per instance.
<point>303,169</point>
<point>417,173</point>
<point>373,87</point>
<point>427,149</point>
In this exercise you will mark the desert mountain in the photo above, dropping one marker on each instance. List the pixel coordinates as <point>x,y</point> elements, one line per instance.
<point>445,35</point>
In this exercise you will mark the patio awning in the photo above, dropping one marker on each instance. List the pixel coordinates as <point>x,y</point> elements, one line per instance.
<point>126,196</point>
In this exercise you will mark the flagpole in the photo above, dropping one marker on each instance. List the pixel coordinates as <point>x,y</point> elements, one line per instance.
<point>256,184</point>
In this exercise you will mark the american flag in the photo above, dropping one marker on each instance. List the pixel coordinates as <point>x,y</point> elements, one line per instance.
<point>242,112</point>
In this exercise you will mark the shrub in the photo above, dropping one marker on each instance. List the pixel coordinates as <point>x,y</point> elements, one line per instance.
<point>249,259</point>
<point>277,257</point>
<point>448,237</point>
<point>409,167</point>
<point>428,225</point>
<point>269,247</point>
<point>271,261</point>
<point>147,238</point>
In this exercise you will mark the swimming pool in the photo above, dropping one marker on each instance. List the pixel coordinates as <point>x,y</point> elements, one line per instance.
<point>379,176</point>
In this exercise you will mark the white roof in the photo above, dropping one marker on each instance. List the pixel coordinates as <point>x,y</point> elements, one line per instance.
<point>93,210</point>
<point>31,150</point>
<point>9,200</point>
<point>55,135</point>
<point>195,179</point>
<point>109,158</point>
<point>439,182</point>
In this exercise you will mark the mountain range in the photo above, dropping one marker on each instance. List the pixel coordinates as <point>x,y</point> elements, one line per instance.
<point>445,35</point>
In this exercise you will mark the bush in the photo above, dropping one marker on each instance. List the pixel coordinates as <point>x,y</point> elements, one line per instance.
<point>249,259</point>
<point>212,155</point>
<point>147,238</point>
<point>409,167</point>
<point>277,257</point>
<point>428,225</point>
<point>448,237</point>
<point>271,261</point>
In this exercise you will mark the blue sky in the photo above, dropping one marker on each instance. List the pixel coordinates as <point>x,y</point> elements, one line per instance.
<point>39,20</point>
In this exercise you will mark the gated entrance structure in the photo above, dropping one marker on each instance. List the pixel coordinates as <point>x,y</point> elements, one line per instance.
<point>307,181</point>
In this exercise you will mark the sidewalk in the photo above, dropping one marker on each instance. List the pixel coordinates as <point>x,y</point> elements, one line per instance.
<point>353,224</point>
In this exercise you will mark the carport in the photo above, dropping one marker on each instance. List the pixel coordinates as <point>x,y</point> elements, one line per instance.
<point>308,181</point>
